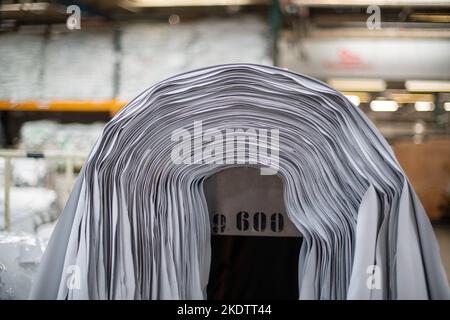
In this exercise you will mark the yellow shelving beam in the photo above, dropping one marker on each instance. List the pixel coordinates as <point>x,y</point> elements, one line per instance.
<point>111,106</point>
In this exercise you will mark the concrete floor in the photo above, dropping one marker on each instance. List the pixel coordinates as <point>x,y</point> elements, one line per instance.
<point>443,236</point>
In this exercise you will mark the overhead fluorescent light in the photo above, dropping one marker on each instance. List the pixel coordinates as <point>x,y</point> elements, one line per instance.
<point>384,106</point>
<point>27,6</point>
<point>447,106</point>
<point>427,86</point>
<point>353,99</point>
<point>367,85</point>
<point>424,106</point>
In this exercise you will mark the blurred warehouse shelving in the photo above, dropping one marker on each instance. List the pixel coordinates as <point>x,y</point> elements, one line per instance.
<point>65,70</point>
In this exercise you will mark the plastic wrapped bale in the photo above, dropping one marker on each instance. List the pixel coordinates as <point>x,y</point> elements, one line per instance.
<point>136,225</point>
<point>20,255</point>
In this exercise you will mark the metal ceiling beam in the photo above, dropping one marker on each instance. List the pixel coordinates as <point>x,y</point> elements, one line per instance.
<point>27,6</point>
<point>190,3</point>
<point>366,3</point>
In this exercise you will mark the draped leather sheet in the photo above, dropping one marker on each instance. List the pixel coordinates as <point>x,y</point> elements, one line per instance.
<point>136,225</point>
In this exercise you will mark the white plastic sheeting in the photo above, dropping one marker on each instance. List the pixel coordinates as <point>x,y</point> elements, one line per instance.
<point>79,66</point>
<point>50,135</point>
<point>136,225</point>
<point>30,207</point>
<point>66,66</point>
<point>30,203</point>
<point>20,65</point>
<point>151,52</point>
<point>20,255</point>
<point>26,172</point>
<point>87,64</point>
<point>388,58</point>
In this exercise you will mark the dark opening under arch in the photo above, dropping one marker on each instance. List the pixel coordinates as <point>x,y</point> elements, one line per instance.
<point>254,250</point>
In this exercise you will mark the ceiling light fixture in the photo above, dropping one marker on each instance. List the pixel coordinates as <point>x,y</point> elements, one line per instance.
<point>424,106</point>
<point>384,106</point>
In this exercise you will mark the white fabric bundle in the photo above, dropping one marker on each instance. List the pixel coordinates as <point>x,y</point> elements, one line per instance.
<point>50,135</point>
<point>69,70</point>
<point>154,51</point>
<point>136,225</point>
<point>20,65</point>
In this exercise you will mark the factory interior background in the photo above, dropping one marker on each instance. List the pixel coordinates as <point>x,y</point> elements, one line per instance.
<point>67,67</point>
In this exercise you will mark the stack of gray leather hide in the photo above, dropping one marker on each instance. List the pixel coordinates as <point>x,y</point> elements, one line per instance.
<point>136,225</point>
